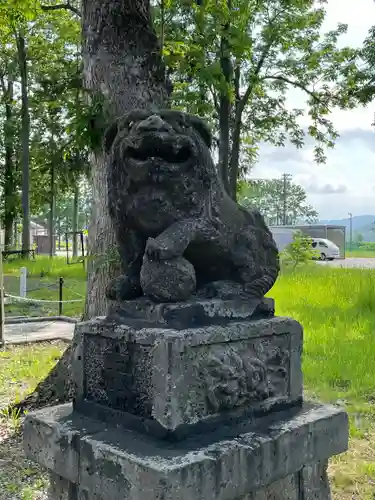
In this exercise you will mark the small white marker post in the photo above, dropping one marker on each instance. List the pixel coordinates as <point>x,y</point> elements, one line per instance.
<point>23,280</point>
<point>2,312</point>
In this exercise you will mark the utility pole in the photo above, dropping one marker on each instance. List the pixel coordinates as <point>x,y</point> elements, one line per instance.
<point>286,180</point>
<point>350,230</point>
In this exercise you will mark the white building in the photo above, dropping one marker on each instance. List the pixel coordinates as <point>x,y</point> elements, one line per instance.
<point>35,230</point>
<point>283,235</point>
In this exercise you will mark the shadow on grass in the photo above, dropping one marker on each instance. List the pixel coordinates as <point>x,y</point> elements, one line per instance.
<point>56,388</point>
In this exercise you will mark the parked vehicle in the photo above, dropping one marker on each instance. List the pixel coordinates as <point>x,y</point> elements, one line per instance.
<point>326,249</point>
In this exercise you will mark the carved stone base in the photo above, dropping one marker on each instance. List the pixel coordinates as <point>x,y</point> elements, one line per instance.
<point>210,412</point>
<point>310,483</point>
<point>175,382</point>
<point>283,457</point>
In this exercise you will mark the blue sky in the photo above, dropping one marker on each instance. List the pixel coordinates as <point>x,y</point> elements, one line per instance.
<point>346,183</point>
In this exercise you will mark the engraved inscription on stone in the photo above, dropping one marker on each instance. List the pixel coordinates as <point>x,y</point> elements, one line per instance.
<point>115,374</point>
<point>241,373</point>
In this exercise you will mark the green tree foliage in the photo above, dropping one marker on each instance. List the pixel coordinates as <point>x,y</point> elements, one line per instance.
<point>299,251</point>
<point>358,238</point>
<point>281,201</point>
<point>235,62</point>
<point>51,150</point>
<point>363,84</point>
<point>64,211</point>
<point>232,61</point>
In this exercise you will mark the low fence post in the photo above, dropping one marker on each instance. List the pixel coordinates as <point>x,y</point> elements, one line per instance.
<point>23,282</point>
<point>61,284</point>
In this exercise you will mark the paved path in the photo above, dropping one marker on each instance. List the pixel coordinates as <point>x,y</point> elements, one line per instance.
<point>44,330</point>
<point>350,262</point>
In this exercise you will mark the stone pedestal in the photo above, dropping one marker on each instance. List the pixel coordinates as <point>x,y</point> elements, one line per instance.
<point>210,411</point>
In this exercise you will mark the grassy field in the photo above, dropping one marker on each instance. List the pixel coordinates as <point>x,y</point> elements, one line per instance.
<point>43,275</point>
<point>365,254</point>
<point>337,310</point>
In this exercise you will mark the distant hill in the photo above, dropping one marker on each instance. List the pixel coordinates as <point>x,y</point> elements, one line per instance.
<point>361,224</point>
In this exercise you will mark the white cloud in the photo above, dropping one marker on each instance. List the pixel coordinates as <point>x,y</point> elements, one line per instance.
<point>346,182</point>
<point>314,185</point>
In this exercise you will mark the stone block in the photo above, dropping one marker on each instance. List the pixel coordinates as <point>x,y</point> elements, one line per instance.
<point>310,483</point>
<point>61,489</point>
<point>173,382</point>
<point>53,440</point>
<point>277,457</point>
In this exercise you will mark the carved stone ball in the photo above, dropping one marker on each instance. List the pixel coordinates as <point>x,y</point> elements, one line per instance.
<point>168,280</point>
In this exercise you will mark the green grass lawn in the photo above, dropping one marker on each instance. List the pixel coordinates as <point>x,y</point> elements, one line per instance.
<point>365,254</point>
<point>43,276</point>
<point>21,368</point>
<point>336,308</point>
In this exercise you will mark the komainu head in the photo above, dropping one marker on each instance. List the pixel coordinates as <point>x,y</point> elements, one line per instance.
<point>161,147</point>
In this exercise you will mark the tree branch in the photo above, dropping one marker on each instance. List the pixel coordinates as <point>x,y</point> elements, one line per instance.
<point>214,98</point>
<point>2,82</point>
<point>295,84</point>
<point>260,63</point>
<point>263,57</point>
<point>66,6</point>
<point>237,76</point>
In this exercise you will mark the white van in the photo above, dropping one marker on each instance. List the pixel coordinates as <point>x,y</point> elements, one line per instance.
<point>326,249</point>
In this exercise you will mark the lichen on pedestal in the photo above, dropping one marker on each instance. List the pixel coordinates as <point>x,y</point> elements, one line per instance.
<point>174,382</point>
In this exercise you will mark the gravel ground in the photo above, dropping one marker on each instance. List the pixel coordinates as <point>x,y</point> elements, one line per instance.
<point>20,479</point>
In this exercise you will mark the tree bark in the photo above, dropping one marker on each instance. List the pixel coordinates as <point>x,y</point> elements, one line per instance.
<point>8,228</point>
<point>224,141</point>
<point>122,63</point>
<point>235,157</point>
<point>9,186</point>
<point>52,208</point>
<point>15,233</point>
<point>75,220</point>
<point>25,140</point>
<point>225,106</point>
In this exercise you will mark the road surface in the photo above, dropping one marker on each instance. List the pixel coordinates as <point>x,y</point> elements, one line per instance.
<point>350,262</point>
<point>44,330</point>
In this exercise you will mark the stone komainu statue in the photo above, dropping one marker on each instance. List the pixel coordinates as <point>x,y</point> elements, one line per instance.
<point>178,232</point>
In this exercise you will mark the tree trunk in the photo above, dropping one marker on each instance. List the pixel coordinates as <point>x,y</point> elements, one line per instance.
<point>75,220</point>
<point>52,209</point>
<point>224,140</point>
<point>235,159</point>
<point>8,230</point>
<point>25,139</point>
<point>225,104</point>
<point>122,62</point>
<point>236,135</point>
<point>15,233</point>
<point>9,186</point>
